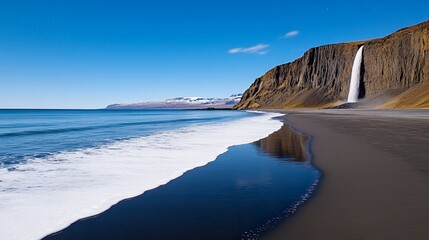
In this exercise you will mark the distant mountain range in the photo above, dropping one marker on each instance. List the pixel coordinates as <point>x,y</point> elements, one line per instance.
<point>183,103</point>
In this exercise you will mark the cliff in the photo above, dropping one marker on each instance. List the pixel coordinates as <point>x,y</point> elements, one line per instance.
<point>321,77</point>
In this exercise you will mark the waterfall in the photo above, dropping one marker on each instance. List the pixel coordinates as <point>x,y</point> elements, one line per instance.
<point>355,78</point>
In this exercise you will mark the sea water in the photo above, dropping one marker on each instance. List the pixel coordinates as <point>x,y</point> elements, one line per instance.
<point>58,166</point>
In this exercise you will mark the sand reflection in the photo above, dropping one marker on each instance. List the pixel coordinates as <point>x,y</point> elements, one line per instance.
<point>285,143</point>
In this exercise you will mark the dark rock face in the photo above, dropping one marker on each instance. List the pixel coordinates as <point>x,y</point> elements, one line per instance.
<point>321,77</point>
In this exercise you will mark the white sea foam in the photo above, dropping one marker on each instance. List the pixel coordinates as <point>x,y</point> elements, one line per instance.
<point>46,195</point>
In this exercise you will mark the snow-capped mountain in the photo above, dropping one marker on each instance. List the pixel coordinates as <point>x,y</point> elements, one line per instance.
<point>183,103</point>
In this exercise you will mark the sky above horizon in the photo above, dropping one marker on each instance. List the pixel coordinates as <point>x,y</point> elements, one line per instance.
<point>89,54</point>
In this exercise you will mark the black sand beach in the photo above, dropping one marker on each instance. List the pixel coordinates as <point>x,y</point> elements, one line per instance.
<point>375,182</point>
<point>374,185</point>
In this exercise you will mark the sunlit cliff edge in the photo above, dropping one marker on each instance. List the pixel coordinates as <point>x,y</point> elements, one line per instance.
<point>394,74</point>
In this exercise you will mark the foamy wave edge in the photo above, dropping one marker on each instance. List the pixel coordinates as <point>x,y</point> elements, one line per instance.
<point>46,195</point>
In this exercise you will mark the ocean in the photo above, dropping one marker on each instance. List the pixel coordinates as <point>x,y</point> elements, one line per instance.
<point>58,166</point>
<point>26,134</point>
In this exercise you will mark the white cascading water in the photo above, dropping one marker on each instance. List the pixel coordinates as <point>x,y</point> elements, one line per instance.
<point>355,78</point>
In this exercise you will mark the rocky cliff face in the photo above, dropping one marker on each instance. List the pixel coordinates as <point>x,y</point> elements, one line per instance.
<point>321,77</point>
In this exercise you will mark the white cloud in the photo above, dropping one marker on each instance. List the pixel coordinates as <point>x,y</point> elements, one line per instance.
<point>291,34</point>
<point>258,49</point>
<point>235,50</point>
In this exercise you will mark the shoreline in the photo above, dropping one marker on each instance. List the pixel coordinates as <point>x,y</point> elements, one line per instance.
<point>83,182</point>
<point>374,180</point>
<point>220,200</point>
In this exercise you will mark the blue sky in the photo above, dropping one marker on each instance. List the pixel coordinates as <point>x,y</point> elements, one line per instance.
<point>88,54</point>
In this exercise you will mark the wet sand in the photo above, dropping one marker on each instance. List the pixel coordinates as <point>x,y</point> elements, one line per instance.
<point>244,193</point>
<point>375,182</point>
